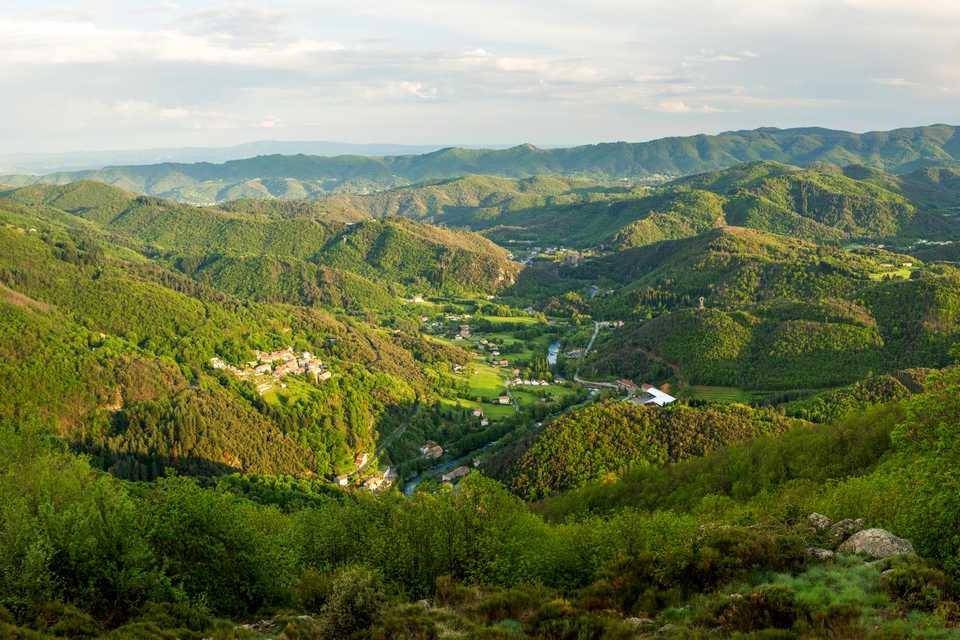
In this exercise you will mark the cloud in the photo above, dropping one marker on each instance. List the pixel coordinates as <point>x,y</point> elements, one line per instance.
<point>402,89</point>
<point>139,109</point>
<point>900,83</point>
<point>51,42</point>
<point>711,57</point>
<point>679,106</point>
<point>238,24</point>
<point>502,70</point>
<point>133,113</point>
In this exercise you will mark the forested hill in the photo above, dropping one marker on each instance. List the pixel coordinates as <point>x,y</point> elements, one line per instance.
<point>301,176</point>
<point>821,203</point>
<point>279,251</point>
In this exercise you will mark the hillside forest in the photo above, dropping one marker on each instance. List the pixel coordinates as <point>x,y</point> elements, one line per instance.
<point>695,388</point>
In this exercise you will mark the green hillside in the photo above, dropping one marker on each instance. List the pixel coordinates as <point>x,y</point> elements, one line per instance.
<point>301,243</point>
<point>609,438</point>
<point>822,203</point>
<point>277,176</point>
<point>113,355</point>
<point>297,415</point>
<point>778,313</point>
<point>713,546</point>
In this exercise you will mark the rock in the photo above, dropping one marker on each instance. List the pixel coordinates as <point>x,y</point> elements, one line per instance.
<point>268,625</point>
<point>816,553</point>
<point>876,544</point>
<point>640,622</point>
<point>843,529</point>
<point>819,521</point>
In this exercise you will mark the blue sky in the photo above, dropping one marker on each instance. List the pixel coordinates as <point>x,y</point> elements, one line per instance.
<point>124,75</point>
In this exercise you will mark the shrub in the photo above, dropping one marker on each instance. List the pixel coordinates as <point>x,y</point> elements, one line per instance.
<point>356,601</point>
<point>514,603</point>
<point>312,591</point>
<point>915,584</point>
<point>409,623</point>
<point>771,606</point>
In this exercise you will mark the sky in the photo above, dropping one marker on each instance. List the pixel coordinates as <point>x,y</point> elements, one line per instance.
<point>97,75</point>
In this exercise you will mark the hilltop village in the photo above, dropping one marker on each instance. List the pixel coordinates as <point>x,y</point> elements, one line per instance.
<point>272,366</point>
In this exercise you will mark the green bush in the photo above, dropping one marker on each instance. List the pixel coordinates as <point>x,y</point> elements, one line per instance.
<point>916,584</point>
<point>357,600</point>
<point>771,606</point>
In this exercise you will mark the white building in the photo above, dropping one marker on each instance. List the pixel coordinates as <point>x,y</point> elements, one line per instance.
<point>651,395</point>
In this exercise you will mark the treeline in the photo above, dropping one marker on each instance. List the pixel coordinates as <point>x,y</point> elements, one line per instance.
<point>83,553</point>
<point>793,344</point>
<point>117,354</point>
<point>608,438</point>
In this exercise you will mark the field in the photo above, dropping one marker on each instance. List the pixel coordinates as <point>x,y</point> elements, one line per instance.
<point>902,273</point>
<point>528,320</point>
<point>486,382</point>
<point>528,396</point>
<point>296,390</point>
<point>527,349</point>
<point>722,394</point>
<point>492,411</point>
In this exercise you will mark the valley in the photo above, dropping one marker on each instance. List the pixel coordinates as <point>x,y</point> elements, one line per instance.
<point>572,393</point>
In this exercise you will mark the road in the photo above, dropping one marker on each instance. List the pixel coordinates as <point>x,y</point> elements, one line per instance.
<point>381,447</point>
<point>609,385</point>
<point>467,458</point>
<point>576,375</point>
<point>436,470</point>
<point>596,330</point>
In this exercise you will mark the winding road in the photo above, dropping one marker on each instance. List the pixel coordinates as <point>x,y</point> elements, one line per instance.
<point>576,375</point>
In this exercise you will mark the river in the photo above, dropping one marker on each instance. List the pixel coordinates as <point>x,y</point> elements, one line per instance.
<point>552,353</point>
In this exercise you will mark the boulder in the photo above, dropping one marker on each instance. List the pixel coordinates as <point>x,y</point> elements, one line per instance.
<point>819,521</point>
<point>640,622</point>
<point>843,529</point>
<point>876,544</point>
<point>816,553</point>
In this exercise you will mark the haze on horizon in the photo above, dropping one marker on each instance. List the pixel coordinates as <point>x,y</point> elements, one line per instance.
<point>95,75</point>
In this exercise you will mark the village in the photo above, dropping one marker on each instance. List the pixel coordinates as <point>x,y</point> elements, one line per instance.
<point>498,387</point>
<point>270,367</point>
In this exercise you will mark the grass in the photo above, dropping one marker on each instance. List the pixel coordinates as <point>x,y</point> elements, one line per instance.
<point>722,394</point>
<point>492,411</point>
<point>511,319</point>
<point>903,273</point>
<point>527,396</point>
<point>529,347</point>
<point>296,390</point>
<point>486,382</point>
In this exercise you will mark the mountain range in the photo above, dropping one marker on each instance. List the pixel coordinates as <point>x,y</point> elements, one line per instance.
<point>49,162</point>
<point>308,176</point>
<point>403,397</point>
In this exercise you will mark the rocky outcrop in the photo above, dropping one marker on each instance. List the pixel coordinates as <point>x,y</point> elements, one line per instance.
<point>819,521</point>
<point>876,544</point>
<point>816,553</point>
<point>843,529</point>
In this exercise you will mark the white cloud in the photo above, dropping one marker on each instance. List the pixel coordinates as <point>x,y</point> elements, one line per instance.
<point>562,68</point>
<point>403,89</point>
<point>51,42</point>
<point>139,109</point>
<point>679,106</point>
<point>900,83</point>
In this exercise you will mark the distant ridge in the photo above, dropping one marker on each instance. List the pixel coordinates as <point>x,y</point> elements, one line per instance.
<point>50,162</point>
<point>310,176</point>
